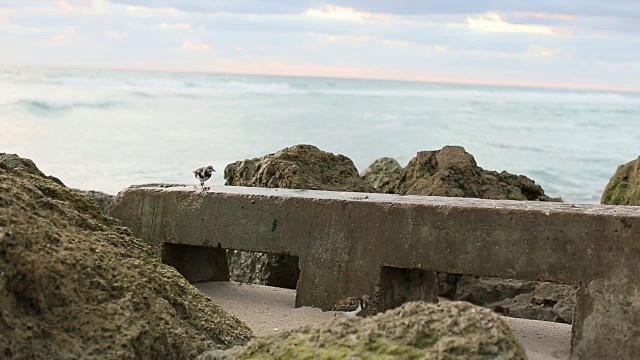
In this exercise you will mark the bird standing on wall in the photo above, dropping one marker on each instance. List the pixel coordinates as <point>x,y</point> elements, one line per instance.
<point>203,174</point>
<point>352,306</point>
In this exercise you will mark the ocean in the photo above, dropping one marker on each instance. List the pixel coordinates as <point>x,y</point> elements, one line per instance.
<point>107,129</point>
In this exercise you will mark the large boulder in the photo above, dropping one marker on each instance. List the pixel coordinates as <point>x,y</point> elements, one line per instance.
<point>74,285</point>
<point>416,330</point>
<point>624,186</point>
<point>382,174</point>
<point>296,167</point>
<point>451,171</point>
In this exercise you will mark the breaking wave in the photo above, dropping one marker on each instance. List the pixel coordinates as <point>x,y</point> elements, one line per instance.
<point>52,105</point>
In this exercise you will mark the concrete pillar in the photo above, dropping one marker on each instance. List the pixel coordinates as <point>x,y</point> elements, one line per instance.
<point>606,323</point>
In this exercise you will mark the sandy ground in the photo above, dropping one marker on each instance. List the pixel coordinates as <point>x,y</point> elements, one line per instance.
<point>268,309</point>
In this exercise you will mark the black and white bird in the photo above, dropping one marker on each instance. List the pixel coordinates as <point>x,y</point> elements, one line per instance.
<point>352,306</point>
<point>203,174</point>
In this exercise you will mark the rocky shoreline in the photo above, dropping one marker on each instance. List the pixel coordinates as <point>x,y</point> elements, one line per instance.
<point>73,284</point>
<point>450,171</point>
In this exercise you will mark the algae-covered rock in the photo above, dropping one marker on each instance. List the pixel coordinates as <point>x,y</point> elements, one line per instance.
<point>624,186</point>
<point>296,167</point>
<point>103,200</point>
<point>416,330</point>
<point>73,285</point>
<point>382,174</point>
<point>451,171</point>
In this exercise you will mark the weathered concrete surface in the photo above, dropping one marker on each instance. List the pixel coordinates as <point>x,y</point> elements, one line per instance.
<point>398,286</point>
<point>344,239</point>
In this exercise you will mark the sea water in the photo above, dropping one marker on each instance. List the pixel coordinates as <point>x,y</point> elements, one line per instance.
<point>107,129</point>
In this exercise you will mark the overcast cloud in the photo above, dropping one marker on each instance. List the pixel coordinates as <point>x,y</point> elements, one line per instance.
<point>585,43</point>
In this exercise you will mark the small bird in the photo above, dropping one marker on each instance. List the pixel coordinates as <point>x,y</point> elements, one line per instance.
<point>203,174</point>
<point>352,306</point>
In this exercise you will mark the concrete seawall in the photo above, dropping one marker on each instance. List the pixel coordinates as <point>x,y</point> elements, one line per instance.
<point>354,243</point>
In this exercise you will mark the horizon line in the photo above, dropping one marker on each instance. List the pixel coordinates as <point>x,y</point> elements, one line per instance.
<point>454,81</point>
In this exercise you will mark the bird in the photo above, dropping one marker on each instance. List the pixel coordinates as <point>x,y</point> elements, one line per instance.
<point>352,306</point>
<point>203,174</point>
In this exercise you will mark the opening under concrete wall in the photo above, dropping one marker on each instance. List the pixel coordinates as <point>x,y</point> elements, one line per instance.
<point>197,263</point>
<point>536,300</point>
<point>398,286</point>
<point>279,270</point>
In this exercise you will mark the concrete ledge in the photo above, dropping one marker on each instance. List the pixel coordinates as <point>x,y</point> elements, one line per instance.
<point>344,240</point>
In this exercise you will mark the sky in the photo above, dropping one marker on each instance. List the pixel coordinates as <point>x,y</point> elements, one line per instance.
<point>568,43</point>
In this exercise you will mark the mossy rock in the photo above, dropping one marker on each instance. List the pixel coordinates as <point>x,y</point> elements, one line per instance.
<point>382,174</point>
<point>417,330</point>
<point>74,285</point>
<point>451,171</point>
<point>624,186</point>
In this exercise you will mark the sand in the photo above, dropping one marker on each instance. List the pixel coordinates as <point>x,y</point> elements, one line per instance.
<point>269,309</point>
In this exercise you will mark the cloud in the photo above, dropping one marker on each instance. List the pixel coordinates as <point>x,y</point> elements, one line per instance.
<point>195,45</point>
<point>493,22</point>
<point>352,39</point>
<point>541,51</point>
<point>61,39</point>
<point>479,40</point>
<point>112,34</point>
<point>543,15</point>
<point>176,26</point>
<point>235,6</point>
<point>144,11</point>
<point>58,40</point>
<point>343,13</point>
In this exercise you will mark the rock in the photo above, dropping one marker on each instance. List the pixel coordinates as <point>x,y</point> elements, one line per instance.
<point>382,174</point>
<point>624,186</point>
<point>485,290</point>
<point>74,285</point>
<point>416,330</point>
<point>547,301</point>
<point>517,298</point>
<point>265,269</point>
<point>452,171</point>
<point>101,198</point>
<point>296,167</point>
<point>214,355</point>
